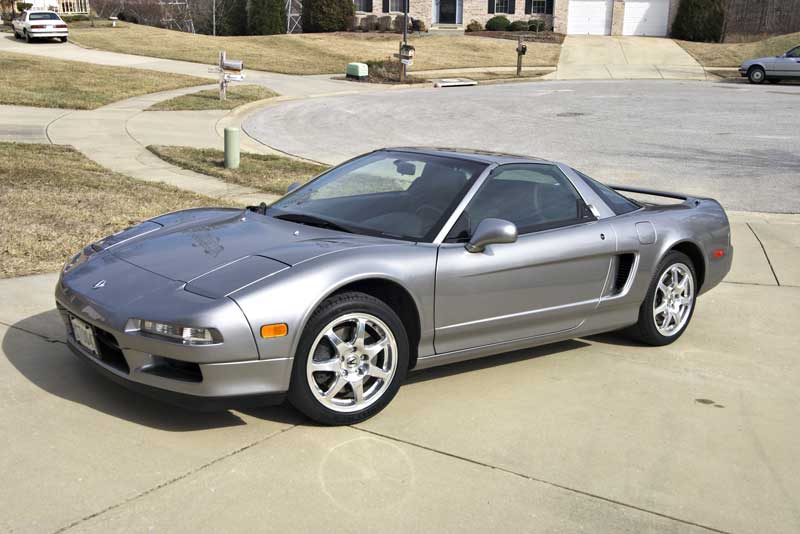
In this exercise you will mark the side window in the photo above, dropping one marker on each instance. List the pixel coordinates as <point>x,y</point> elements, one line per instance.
<point>532,196</point>
<point>619,204</point>
<point>795,52</point>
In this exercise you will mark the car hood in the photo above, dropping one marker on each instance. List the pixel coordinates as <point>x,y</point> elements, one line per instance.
<point>195,243</point>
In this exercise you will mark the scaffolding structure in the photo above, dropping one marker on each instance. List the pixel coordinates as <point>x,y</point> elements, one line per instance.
<point>294,10</point>
<point>176,15</point>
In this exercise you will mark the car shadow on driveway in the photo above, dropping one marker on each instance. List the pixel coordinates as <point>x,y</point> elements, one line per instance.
<point>50,365</point>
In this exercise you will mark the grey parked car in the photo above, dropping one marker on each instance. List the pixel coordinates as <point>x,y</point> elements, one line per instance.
<point>773,69</point>
<point>396,260</point>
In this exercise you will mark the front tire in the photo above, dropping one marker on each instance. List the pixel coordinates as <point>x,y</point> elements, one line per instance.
<point>350,361</point>
<point>670,302</point>
<point>756,75</point>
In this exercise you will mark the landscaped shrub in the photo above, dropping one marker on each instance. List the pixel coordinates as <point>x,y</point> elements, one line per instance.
<point>74,18</point>
<point>536,25</point>
<point>518,26</point>
<point>398,23</point>
<point>497,24</point>
<point>474,26</point>
<point>385,23</point>
<point>369,23</point>
<point>326,15</point>
<point>266,17</point>
<point>699,20</point>
<point>419,25</point>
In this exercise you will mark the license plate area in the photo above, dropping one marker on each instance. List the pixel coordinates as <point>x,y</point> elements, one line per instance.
<point>84,334</point>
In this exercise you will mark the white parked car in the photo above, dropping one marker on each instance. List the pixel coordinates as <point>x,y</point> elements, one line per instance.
<point>30,25</point>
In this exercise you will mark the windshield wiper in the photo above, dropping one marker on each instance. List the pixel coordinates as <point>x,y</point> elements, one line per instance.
<point>312,220</point>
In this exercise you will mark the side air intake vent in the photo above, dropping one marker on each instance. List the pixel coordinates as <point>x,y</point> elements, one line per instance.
<point>624,267</point>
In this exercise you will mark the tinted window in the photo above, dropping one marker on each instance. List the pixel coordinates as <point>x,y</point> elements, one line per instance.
<point>532,196</point>
<point>43,16</point>
<point>795,52</point>
<point>397,194</point>
<point>618,203</point>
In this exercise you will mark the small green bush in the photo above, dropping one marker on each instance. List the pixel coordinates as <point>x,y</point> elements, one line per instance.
<point>498,24</point>
<point>536,25</point>
<point>518,26</point>
<point>699,20</point>
<point>369,23</point>
<point>326,15</point>
<point>385,23</point>
<point>74,18</point>
<point>397,25</point>
<point>474,26</point>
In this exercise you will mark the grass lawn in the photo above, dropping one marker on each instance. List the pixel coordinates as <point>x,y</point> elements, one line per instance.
<point>209,99</point>
<point>312,53</point>
<point>54,201</point>
<point>53,83</point>
<point>733,54</point>
<point>272,174</point>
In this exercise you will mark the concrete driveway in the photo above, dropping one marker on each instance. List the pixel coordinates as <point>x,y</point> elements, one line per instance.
<point>594,57</point>
<point>591,435</point>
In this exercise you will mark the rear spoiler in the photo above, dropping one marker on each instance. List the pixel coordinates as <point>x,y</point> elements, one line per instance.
<point>655,193</point>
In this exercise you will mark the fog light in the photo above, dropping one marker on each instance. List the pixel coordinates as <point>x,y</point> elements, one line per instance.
<point>182,334</point>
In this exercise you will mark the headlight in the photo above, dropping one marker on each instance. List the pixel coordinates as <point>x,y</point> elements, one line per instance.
<point>186,335</point>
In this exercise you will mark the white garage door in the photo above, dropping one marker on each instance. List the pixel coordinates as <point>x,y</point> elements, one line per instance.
<point>646,17</point>
<point>591,17</point>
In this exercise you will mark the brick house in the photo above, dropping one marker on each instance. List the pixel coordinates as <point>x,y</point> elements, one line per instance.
<point>594,17</point>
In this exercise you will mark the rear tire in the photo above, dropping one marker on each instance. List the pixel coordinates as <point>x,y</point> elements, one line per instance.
<point>63,39</point>
<point>670,302</point>
<point>28,38</point>
<point>756,75</point>
<point>350,361</point>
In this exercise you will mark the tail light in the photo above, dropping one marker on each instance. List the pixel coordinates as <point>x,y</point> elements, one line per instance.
<point>61,25</point>
<point>37,26</point>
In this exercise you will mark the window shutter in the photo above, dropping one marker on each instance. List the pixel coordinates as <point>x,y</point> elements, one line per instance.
<point>491,6</point>
<point>548,7</point>
<point>385,6</point>
<point>511,6</point>
<point>528,7</point>
<point>368,6</point>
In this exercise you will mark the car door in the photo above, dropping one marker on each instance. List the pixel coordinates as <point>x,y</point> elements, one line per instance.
<point>548,281</point>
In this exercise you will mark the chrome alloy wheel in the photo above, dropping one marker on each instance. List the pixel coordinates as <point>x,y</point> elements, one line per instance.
<point>674,299</point>
<point>352,362</point>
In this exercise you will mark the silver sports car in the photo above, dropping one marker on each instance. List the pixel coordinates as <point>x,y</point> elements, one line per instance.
<point>396,260</point>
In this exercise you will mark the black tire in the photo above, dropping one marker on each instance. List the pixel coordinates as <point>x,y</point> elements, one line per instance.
<point>645,330</point>
<point>63,39</point>
<point>16,35</point>
<point>756,75</point>
<point>28,38</point>
<point>336,306</point>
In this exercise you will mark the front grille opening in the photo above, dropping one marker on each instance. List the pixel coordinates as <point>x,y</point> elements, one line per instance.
<point>624,266</point>
<point>110,353</point>
<point>175,369</point>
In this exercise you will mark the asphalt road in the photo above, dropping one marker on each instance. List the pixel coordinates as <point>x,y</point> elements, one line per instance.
<point>736,142</point>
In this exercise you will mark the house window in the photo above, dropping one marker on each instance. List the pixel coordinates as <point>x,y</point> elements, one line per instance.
<point>539,7</point>
<point>396,5</point>
<point>363,5</point>
<point>502,6</point>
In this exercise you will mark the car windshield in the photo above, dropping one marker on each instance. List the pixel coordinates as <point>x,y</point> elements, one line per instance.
<point>395,194</point>
<point>43,16</point>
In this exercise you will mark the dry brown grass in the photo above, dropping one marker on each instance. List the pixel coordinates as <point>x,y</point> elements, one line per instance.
<point>312,53</point>
<point>43,82</point>
<point>237,95</point>
<point>54,201</point>
<point>733,54</point>
<point>272,174</point>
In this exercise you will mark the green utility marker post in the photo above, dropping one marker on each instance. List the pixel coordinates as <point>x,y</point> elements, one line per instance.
<point>231,148</point>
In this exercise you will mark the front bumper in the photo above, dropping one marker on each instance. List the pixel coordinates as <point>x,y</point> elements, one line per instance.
<point>742,72</point>
<point>220,375</point>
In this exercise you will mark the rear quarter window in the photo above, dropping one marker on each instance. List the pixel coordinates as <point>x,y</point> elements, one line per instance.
<point>619,204</point>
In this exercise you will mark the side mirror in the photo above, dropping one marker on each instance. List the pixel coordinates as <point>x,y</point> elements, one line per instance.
<point>293,186</point>
<point>492,232</point>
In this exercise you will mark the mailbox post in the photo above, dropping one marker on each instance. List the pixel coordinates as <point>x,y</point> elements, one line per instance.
<point>406,56</point>
<point>522,48</point>
<point>230,70</point>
